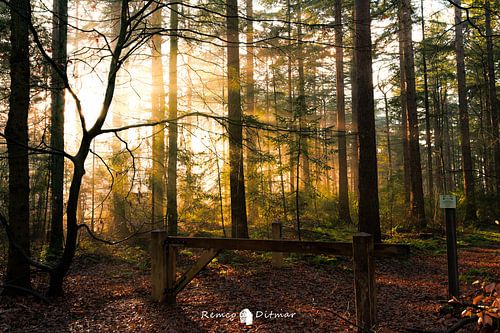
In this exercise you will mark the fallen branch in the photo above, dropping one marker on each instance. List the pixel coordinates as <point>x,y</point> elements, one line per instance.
<point>26,290</point>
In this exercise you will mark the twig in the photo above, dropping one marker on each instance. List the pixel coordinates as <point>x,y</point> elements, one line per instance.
<point>347,320</point>
<point>461,324</point>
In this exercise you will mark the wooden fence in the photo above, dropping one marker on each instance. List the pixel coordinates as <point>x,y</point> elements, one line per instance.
<point>165,285</point>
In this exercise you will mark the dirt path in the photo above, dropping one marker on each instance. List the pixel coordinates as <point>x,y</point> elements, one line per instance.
<point>113,296</point>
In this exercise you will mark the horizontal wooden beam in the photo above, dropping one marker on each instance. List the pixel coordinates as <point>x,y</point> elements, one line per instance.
<point>332,248</point>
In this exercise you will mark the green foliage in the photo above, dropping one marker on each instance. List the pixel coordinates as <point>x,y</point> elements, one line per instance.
<point>474,274</point>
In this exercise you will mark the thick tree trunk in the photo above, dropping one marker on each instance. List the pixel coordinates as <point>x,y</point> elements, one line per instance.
<point>59,55</point>
<point>16,131</point>
<point>344,214</point>
<point>158,113</point>
<point>239,227</point>
<point>416,190</point>
<point>172,129</point>
<point>369,218</point>
<point>470,204</point>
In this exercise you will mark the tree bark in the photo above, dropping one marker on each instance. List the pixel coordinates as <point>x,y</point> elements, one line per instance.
<point>253,184</point>
<point>354,129</point>
<point>302,112</point>
<point>61,269</point>
<point>239,227</point>
<point>467,167</point>
<point>16,132</point>
<point>369,218</point>
<point>428,140</point>
<point>344,214</point>
<point>492,93</point>
<point>158,113</point>
<point>416,191</point>
<point>172,129</point>
<point>59,55</point>
<point>404,111</point>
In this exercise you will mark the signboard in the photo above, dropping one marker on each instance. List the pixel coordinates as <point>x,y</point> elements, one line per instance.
<point>447,201</point>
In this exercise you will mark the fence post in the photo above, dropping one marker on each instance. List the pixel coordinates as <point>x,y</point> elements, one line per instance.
<point>158,264</point>
<point>170,296</point>
<point>364,280</point>
<point>277,257</point>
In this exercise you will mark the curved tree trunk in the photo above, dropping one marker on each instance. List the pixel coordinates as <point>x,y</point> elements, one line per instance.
<point>61,269</point>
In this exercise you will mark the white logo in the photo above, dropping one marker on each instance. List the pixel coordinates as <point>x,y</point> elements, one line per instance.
<point>246,317</point>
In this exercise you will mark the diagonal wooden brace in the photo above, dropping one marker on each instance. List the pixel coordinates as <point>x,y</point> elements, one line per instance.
<point>206,257</point>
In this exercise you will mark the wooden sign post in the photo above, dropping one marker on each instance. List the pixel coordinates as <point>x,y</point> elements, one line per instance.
<point>449,204</point>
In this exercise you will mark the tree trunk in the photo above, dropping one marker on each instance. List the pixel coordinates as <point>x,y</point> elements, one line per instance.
<point>290,98</point>
<point>16,132</point>
<point>172,129</point>
<point>253,184</point>
<point>492,93</point>
<point>239,227</point>
<point>118,161</point>
<point>404,111</point>
<point>416,190</point>
<point>369,218</point>
<point>302,112</point>
<point>59,55</point>
<point>470,204</point>
<point>278,142</point>
<point>158,113</point>
<point>354,129</point>
<point>61,269</point>
<point>428,142</point>
<point>344,214</point>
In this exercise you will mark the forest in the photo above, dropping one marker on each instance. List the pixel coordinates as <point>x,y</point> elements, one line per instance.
<point>184,166</point>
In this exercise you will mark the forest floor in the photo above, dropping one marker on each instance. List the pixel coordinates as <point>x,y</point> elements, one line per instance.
<point>108,290</point>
